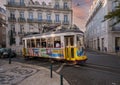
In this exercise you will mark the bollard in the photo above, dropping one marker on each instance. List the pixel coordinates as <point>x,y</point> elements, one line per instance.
<point>51,70</point>
<point>9,54</point>
<point>61,79</point>
<point>9,59</point>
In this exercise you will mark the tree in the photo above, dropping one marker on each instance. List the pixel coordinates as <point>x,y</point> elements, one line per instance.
<point>114,14</point>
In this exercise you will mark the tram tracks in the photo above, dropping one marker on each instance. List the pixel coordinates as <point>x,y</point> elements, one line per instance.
<point>104,68</point>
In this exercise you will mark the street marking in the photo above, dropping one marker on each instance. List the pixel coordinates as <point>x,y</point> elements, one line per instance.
<point>60,68</point>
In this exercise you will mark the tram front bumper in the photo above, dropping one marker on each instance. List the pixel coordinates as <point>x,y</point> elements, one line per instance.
<point>81,58</point>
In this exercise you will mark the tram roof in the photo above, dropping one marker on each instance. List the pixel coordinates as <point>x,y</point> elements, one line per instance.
<point>59,30</point>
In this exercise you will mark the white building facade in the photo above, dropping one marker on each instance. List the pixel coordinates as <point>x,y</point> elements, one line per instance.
<point>26,16</point>
<point>100,35</point>
<point>2,27</point>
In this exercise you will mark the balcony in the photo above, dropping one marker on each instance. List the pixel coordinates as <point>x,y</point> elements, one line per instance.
<point>66,8</point>
<point>21,19</point>
<point>115,29</point>
<point>49,21</point>
<point>61,8</point>
<point>16,4</point>
<point>57,22</point>
<point>21,33</point>
<point>65,22</point>
<point>39,20</point>
<point>11,19</point>
<point>30,20</point>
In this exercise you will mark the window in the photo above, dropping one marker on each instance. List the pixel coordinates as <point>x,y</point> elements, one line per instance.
<point>37,43</point>
<point>13,28</point>
<point>32,43</point>
<point>57,43</point>
<point>12,14</point>
<point>40,16</point>
<point>65,18</point>
<point>114,4</point>
<point>57,17</point>
<point>65,5</point>
<point>31,28</point>
<point>30,15</point>
<point>48,17</point>
<point>57,5</point>
<point>12,1</point>
<point>20,41</point>
<point>50,42</point>
<point>21,14</point>
<point>28,43</point>
<point>43,42</point>
<point>21,28</point>
<point>21,2</point>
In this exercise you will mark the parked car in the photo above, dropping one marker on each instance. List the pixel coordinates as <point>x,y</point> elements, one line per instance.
<point>6,52</point>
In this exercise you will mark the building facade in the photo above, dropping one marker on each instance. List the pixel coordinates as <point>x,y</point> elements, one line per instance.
<point>101,35</point>
<point>26,16</point>
<point>2,27</point>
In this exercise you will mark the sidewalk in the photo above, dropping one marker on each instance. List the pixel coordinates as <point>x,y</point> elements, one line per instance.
<point>24,74</point>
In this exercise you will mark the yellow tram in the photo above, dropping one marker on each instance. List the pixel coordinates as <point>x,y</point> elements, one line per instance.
<point>61,44</point>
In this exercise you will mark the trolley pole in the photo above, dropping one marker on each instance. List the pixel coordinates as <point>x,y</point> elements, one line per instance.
<point>61,79</point>
<point>51,70</point>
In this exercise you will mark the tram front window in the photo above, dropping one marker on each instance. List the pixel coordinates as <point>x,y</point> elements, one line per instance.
<point>69,41</point>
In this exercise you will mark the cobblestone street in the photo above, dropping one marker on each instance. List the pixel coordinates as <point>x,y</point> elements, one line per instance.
<point>26,74</point>
<point>13,74</point>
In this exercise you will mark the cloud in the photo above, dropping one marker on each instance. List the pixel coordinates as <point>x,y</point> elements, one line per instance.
<point>80,12</point>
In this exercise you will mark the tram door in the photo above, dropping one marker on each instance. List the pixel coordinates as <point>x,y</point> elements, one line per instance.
<point>69,47</point>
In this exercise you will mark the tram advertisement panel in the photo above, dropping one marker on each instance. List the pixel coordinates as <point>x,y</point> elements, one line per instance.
<point>55,52</point>
<point>45,52</point>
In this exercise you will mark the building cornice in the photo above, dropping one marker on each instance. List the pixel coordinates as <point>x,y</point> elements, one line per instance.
<point>95,10</point>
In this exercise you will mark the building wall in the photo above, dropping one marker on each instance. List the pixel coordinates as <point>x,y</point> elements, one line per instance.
<point>2,27</point>
<point>98,34</point>
<point>35,9</point>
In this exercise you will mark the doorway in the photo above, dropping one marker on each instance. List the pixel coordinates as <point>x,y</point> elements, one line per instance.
<point>69,46</point>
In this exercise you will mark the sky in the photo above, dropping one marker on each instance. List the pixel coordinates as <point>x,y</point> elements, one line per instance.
<point>80,11</point>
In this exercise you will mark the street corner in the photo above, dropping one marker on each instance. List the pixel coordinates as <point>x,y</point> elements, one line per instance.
<point>15,73</point>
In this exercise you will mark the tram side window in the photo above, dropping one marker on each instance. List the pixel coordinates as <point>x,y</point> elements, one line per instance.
<point>28,43</point>
<point>57,43</point>
<point>32,43</point>
<point>50,42</point>
<point>38,43</point>
<point>43,43</point>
